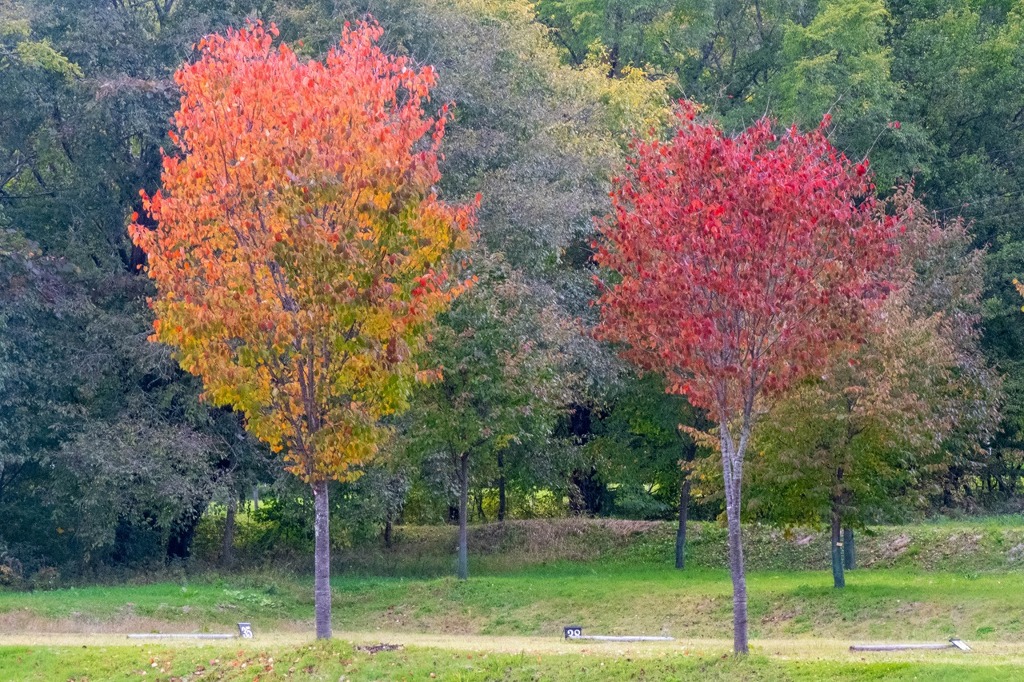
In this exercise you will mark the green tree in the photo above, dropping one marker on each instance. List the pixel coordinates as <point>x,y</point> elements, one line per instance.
<point>645,446</point>
<point>89,405</point>
<point>894,426</point>
<point>959,65</point>
<point>841,63</point>
<point>503,384</point>
<point>864,441</point>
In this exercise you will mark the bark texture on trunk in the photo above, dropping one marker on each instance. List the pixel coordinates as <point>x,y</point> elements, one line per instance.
<point>227,548</point>
<point>732,468</point>
<point>322,561</point>
<point>684,508</point>
<point>849,550</point>
<point>463,567</point>
<point>838,578</point>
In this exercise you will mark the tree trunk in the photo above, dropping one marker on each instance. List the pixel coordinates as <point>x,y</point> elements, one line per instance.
<point>613,53</point>
<point>502,503</point>
<point>183,532</point>
<point>849,550</point>
<point>588,494</point>
<point>481,516</point>
<point>227,549</point>
<point>255,498</point>
<point>732,468</point>
<point>322,561</point>
<point>838,579</point>
<point>388,529</point>
<point>684,508</point>
<point>463,567</point>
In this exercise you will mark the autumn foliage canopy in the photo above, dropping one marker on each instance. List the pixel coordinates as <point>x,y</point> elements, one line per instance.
<point>740,260</point>
<point>299,249</point>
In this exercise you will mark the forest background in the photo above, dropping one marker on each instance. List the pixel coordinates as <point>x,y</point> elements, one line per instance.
<point>109,461</point>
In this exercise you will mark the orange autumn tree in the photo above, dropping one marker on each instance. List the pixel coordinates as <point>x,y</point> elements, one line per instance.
<point>300,251</point>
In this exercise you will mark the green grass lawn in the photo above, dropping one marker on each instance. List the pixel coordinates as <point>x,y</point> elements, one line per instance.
<point>505,623</point>
<point>610,599</point>
<point>344,661</point>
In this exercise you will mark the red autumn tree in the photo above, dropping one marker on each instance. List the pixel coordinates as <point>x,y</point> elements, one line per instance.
<point>300,250</point>
<point>740,262</point>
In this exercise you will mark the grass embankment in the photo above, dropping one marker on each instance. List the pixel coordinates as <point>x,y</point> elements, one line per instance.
<point>877,604</point>
<point>992,544</point>
<point>988,544</point>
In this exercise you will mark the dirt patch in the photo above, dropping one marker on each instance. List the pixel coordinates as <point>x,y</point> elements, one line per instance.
<point>889,550</point>
<point>907,608</point>
<point>959,543</point>
<point>776,617</point>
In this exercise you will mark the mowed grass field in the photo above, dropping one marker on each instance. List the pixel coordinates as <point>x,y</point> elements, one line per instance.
<point>485,659</point>
<point>506,622</point>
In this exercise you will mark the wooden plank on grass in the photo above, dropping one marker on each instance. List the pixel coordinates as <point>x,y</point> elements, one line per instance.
<point>958,644</point>
<point>624,638</point>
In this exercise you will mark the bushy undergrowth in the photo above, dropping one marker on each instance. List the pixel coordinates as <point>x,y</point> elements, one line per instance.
<point>423,551</point>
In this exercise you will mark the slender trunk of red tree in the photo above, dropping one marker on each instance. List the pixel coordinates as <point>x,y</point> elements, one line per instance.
<point>463,568</point>
<point>322,561</point>
<point>732,468</point>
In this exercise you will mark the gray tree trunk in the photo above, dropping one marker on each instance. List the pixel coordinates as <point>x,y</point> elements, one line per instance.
<point>838,578</point>
<point>732,469</point>
<point>255,498</point>
<point>849,550</point>
<point>322,561</point>
<point>227,549</point>
<point>463,565</point>
<point>684,508</point>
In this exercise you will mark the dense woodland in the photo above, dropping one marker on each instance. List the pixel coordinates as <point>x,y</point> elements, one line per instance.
<point>109,459</point>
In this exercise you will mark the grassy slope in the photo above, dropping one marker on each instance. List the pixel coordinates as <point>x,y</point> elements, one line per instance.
<point>978,545</point>
<point>995,544</point>
<point>876,604</point>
